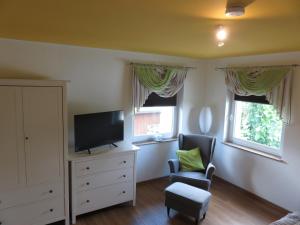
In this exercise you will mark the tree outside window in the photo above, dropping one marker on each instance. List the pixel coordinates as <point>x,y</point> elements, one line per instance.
<point>258,123</point>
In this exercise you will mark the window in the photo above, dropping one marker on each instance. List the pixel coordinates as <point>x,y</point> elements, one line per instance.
<point>154,121</point>
<point>157,120</point>
<point>255,124</point>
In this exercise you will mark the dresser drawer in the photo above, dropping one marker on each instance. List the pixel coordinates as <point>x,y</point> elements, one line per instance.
<point>30,194</point>
<point>39,213</point>
<point>103,179</point>
<point>103,197</point>
<point>103,164</point>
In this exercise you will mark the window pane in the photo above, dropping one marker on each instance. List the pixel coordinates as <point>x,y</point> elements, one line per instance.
<point>258,123</point>
<point>154,120</point>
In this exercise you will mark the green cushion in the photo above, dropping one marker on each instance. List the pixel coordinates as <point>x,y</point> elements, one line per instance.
<point>190,160</point>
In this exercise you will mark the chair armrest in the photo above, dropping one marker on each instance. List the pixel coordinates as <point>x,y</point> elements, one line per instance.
<point>174,165</point>
<point>210,171</point>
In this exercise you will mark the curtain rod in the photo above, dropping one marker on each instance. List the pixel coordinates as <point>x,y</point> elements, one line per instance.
<point>164,66</point>
<point>243,67</point>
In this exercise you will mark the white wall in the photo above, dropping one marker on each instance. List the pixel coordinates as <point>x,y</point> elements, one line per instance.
<point>272,180</point>
<point>100,80</point>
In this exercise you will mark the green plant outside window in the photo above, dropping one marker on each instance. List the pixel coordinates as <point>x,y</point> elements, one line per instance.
<point>258,123</point>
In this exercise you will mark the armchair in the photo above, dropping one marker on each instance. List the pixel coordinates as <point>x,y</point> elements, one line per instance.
<point>201,179</point>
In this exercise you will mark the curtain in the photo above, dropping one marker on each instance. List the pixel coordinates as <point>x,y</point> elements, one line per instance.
<point>164,81</point>
<point>274,83</point>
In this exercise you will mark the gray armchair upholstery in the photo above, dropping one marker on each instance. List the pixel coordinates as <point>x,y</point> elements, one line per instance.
<point>201,179</point>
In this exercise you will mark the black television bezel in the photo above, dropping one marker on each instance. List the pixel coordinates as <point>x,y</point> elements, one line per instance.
<point>106,142</point>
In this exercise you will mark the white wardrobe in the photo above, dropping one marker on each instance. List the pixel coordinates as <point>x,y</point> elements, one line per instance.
<point>33,149</point>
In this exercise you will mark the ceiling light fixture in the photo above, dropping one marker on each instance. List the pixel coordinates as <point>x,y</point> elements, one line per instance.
<point>221,35</point>
<point>235,11</point>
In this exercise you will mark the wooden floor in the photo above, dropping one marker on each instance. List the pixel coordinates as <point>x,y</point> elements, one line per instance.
<point>229,206</point>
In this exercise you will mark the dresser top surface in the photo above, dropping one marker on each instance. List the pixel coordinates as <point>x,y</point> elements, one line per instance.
<point>101,152</point>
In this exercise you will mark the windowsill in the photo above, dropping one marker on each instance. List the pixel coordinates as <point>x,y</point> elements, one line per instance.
<point>140,143</point>
<point>254,151</point>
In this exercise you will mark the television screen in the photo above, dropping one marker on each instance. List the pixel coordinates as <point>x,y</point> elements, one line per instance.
<point>92,130</point>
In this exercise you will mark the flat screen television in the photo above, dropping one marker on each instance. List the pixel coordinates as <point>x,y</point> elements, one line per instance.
<point>95,129</point>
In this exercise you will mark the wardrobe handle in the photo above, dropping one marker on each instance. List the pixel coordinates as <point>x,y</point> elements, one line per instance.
<point>51,210</point>
<point>51,191</point>
<point>123,192</point>
<point>124,175</point>
<point>124,161</point>
<point>87,201</point>
<point>87,183</point>
<point>88,168</point>
<point>26,138</point>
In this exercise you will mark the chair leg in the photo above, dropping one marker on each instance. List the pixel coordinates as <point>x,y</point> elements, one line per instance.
<point>168,211</point>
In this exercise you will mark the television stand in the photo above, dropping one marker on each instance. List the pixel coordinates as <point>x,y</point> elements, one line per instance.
<point>113,144</point>
<point>103,179</point>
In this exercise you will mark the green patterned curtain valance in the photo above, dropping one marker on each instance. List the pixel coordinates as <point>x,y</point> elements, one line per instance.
<point>273,82</point>
<point>162,80</point>
<point>152,79</point>
<point>255,81</point>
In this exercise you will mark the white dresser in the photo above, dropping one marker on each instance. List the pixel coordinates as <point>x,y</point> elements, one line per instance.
<point>106,177</point>
<point>33,148</point>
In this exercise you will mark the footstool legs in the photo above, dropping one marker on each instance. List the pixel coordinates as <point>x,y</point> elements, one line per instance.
<point>196,219</point>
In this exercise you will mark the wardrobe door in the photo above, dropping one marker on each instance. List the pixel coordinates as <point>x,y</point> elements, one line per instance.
<point>43,127</point>
<point>12,161</point>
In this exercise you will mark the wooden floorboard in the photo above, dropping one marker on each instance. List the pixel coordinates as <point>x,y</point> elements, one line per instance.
<point>230,205</point>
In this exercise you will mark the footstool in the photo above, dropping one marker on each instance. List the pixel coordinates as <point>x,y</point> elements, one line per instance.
<point>187,199</point>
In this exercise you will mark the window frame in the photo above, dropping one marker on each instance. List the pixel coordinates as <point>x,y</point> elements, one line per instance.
<point>173,134</point>
<point>229,132</point>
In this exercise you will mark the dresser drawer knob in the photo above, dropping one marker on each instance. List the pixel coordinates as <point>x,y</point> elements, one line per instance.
<point>124,161</point>
<point>50,191</point>
<point>124,175</point>
<point>87,201</point>
<point>87,168</point>
<point>87,183</point>
<point>123,192</point>
<point>51,210</point>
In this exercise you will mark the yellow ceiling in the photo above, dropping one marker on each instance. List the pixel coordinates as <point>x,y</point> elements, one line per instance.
<point>173,27</point>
